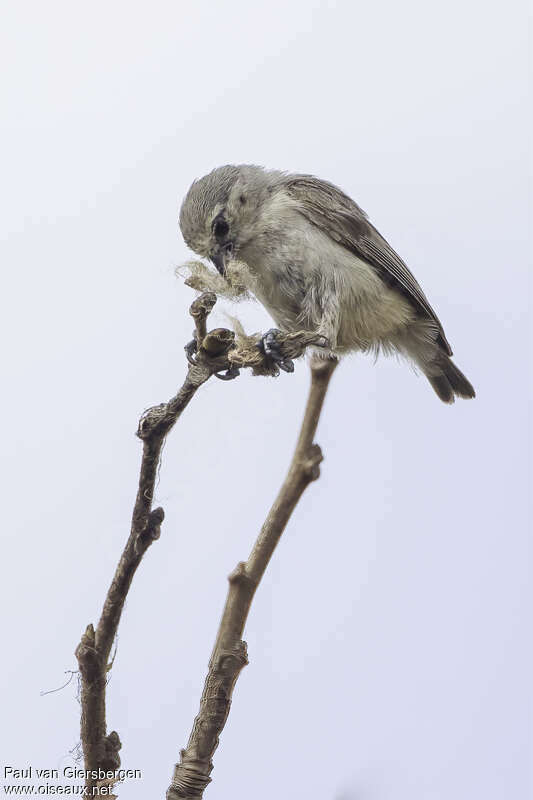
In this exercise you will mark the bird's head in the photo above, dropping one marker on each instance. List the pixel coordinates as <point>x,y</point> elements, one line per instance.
<point>221,211</point>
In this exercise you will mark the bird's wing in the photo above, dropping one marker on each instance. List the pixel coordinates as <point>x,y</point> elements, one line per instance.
<point>327,207</point>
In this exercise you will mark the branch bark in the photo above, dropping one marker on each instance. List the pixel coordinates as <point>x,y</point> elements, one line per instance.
<point>192,774</point>
<point>215,351</point>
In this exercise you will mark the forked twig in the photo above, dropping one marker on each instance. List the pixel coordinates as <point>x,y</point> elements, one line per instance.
<point>215,351</point>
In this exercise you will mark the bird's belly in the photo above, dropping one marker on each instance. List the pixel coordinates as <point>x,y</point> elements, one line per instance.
<point>370,321</point>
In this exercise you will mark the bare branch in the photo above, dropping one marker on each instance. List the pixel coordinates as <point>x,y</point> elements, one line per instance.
<point>200,310</point>
<point>214,352</point>
<point>192,774</point>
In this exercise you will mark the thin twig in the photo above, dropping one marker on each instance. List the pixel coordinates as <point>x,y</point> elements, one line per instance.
<point>215,351</point>
<point>192,774</point>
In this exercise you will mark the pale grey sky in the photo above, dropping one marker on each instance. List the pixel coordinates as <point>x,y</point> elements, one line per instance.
<point>390,642</point>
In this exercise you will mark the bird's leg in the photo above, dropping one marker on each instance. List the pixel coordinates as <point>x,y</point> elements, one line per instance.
<point>270,346</point>
<point>330,319</point>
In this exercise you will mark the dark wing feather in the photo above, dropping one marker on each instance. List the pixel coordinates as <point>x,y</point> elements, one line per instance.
<point>327,207</point>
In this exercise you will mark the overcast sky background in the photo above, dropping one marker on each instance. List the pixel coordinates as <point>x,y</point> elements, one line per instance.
<point>390,641</point>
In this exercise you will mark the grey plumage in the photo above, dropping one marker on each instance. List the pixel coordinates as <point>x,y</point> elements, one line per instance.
<point>317,263</point>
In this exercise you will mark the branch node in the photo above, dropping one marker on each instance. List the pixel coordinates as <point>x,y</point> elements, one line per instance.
<point>111,746</point>
<point>230,660</point>
<point>311,461</point>
<point>87,655</point>
<point>151,531</point>
<point>150,419</point>
<point>240,576</point>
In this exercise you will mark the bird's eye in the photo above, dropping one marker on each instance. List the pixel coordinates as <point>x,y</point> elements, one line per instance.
<point>221,228</point>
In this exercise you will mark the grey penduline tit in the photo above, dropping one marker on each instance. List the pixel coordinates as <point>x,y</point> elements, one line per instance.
<point>316,263</point>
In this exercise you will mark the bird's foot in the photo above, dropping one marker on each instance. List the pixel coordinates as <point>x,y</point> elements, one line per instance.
<point>230,374</point>
<point>190,349</point>
<point>270,346</point>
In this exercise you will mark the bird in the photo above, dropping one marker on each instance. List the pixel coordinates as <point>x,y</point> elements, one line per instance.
<point>316,263</point>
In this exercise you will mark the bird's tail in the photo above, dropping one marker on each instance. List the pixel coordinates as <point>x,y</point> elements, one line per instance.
<point>447,380</point>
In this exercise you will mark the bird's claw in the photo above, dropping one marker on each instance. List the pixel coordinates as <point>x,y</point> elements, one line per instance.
<point>190,349</point>
<point>230,374</point>
<point>270,346</point>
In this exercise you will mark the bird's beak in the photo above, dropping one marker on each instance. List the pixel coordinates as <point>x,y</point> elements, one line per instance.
<point>219,261</point>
